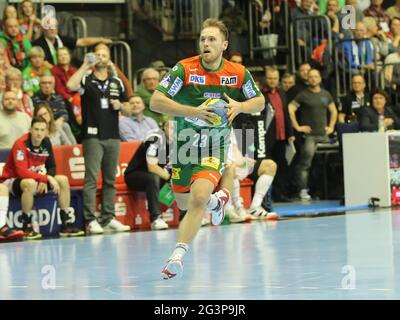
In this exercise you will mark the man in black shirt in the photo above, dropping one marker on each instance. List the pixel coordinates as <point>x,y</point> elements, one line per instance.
<point>103,95</point>
<point>146,169</point>
<point>50,41</point>
<point>311,105</point>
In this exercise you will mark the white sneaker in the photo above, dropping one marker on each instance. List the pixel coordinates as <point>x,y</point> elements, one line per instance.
<point>159,224</point>
<point>174,268</point>
<point>258,213</point>
<point>94,228</point>
<point>304,196</point>
<point>217,215</point>
<point>243,213</point>
<point>115,225</point>
<point>233,216</point>
<point>205,221</point>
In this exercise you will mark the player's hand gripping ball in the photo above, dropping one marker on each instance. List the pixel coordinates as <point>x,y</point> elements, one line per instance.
<point>221,110</point>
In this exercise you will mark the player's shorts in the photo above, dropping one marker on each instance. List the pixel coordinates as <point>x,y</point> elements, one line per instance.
<point>14,186</point>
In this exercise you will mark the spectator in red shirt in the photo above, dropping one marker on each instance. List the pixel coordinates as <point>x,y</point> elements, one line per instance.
<point>29,170</point>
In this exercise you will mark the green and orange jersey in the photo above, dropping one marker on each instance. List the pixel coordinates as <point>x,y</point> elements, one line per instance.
<point>190,83</point>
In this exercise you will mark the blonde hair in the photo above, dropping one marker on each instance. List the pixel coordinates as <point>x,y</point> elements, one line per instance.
<point>35,51</point>
<point>210,22</point>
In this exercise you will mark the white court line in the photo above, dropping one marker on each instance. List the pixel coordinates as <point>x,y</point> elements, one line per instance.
<point>236,286</point>
<point>310,288</point>
<point>200,286</point>
<point>91,286</point>
<point>378,289</point>
<point>163,286</point>
<point>345,289</point>
<point>274,287</point>
<point>18,287</point>
<point>128,286</point>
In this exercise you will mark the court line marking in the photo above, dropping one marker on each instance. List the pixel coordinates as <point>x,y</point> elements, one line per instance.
<point>274,287</point>
<point>18,287</point>
<point>163,286</point>
<point>236,286</point>
<point>380,289</point>
<point>128,286</point>
<point>310,288</point>
<point>91,286</point>
<point>200,286</point>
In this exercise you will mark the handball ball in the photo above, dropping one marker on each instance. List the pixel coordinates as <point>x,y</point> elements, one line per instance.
<point>221,110</point>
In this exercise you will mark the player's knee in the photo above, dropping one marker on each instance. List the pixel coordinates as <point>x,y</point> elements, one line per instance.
<point>268,167</point>
<point>199,200</point>
<point>28,185</point>
<point>62,181</point>
<point>3,190</point>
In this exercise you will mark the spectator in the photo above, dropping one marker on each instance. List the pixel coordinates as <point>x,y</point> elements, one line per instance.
<point>150,81</point>
<point>50,41</point>
<point>29,170</point>
<point>376,11</point>
<point>135,125</point>
<point>377,37</point>
<point>288,81</point>
<point>369,117</point>
<point>30,25</point>
<point>15,44</point>
<point>4,66</point>
<point>145,173</point>
<point>9,12</point>
<point>160,66</point>
<point>13,123</point>
<point>279,132</point>
<point>236,57</point>
<point>102,98</point>
<point>6,233</point>
<point>301,81</point>
<point>62,72</point>
<point>394,11</point>
<point>56,134</point>
<point>394,35</point>
<point>392,69</point>
<point>313,104</point>
<point>351,104</point>
<point>32,74</point>
<point>359,53</point>
<point>13,80</point>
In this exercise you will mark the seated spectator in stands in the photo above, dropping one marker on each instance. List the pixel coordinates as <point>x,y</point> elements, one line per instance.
<point>376,11</point>
<point>369,117</point>
<point>13,80</point>
<point>359,53</point>
<point>301,81</point>
<point>150,81</point>
<point>288,81</point>
<point>236,57</point>
<point>15,44</point>
<point>6,233</point>
<point>393,36</point>
<point>9,12</point>
<point>313,104</point>
<point>32,74</point>
<point>134,126</point>
<point>392,69</point>
<point>118,71</point>
<point>377,37</point>
<point>4,66</point>
<point>145,172</point>
<point>13,123</point>
<point>160,66</point>
<point>56,133</point>
<point>30,25</point>
<point>351,104</point>
<point>30,169</point>
<point>50,41</point>
<point>332,13</point>
<point>56,102</point>
<point>394,11</point>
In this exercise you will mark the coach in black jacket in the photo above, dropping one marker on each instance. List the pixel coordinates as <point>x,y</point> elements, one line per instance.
<point>279,130</point>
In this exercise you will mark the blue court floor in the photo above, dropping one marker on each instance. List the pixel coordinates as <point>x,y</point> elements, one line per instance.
<point>351,256</point>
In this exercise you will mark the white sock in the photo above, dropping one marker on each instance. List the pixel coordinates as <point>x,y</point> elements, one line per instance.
<point>213,202</point>
<point>3,211</point>
<point>262,185</point>
<point>229,205</point>
<point>236,194</point>
<point>181,249</point>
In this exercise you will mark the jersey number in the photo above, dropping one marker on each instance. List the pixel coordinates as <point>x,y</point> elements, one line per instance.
<point>200,140</point>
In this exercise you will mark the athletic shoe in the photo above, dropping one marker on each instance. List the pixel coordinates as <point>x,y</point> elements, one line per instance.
<point>218,214</point>
<point>115,225</point>
<point>243,213</point>
<point>94,228</point>
<point>159,224</point>
<point>31,234</point>
<point>68,230</point>
<point>304,196</point>
<point>174,268</point>
<point>258,213</point>
<point>233,216</point>
<point>7,233</point>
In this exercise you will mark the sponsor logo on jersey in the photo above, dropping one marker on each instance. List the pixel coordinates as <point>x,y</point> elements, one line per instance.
<point>228,81</point>
<point>248,90</point>
<point>176,173</point>
<point>261,139</point>
<point>113,85</point>
<point>212,162</point>
<point>194,78</point>
<point>152,150</point>
<point>175,87</point>
<point>20,155</point>
<point>212,95</point>
<point>166,81</point>
<point>175,68</point>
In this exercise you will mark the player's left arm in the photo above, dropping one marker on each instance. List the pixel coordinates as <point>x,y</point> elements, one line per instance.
<point>255,101</point>
<point>332,118</point>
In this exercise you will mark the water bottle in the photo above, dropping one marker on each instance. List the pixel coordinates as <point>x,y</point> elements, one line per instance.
<point>381,123</point>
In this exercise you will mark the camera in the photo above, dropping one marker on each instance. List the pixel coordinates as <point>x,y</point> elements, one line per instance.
<point>91,58</point>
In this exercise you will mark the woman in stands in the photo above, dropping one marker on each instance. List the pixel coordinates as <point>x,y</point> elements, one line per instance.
<point>56,134</point>
<point>9,12</point>
<point>29,23</point>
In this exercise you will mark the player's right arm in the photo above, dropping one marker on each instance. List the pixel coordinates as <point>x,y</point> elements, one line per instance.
<point>162,100</point>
